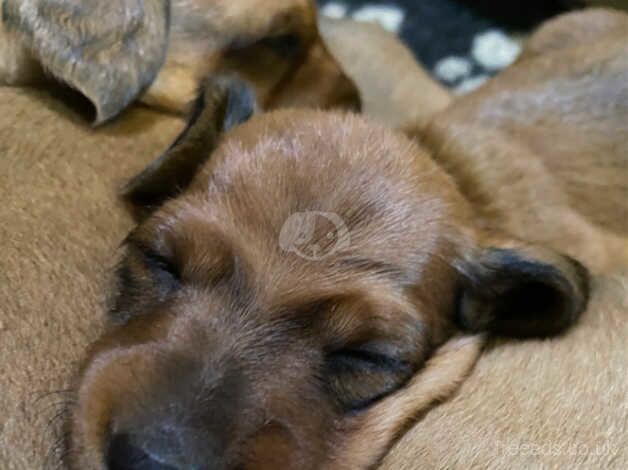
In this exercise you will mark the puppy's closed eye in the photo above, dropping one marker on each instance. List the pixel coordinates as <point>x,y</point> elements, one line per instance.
<point>286,45</point>
<point>144,278</point>
<point>162,269</point>
<point>360,375</point>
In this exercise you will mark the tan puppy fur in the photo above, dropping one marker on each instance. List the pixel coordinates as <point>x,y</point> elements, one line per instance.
<point>550,404</point>
<point>60,224</point>
<point>558,116</point>
<point>29,107</point>
<point>355,45</point>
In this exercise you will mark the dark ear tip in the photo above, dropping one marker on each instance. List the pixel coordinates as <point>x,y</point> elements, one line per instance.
<point>238,98</point>
<point>575,289</point>
<point>241,104</point>
<point>142,191</point>
<point>138,200</point>
<point>528,293</point>
<point>583,279</point>
<point>223,102</point>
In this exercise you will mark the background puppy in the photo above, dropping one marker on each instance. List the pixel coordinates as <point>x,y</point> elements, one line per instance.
<point>557,118</point>
<point>158,51</point>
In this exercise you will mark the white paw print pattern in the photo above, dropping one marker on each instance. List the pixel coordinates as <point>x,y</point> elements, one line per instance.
<point>453,68</point>
<point>389,17</point>
<point>494,50</point>
<point>334,10</point>
<point>491,51</point>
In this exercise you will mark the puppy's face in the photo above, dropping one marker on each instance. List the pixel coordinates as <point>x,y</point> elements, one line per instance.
<point>276,312</point>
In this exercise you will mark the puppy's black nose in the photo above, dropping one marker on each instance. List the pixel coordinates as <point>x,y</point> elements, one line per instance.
<point>127,452</point>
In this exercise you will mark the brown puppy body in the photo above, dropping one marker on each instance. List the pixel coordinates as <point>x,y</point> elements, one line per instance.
<point>560,116</point>
<point>541,150</point>
<point>60,224</point>
<point>388,417</point>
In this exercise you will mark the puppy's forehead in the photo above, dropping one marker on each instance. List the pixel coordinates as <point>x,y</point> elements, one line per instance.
<point>288,161</point>
<point>308,196</point>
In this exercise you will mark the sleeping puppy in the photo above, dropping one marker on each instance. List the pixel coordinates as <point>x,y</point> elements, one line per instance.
<point>292,293</point>
<point>47,330</point>
<point>158,51</point>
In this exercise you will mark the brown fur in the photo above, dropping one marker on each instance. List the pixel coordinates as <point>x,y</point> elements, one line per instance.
<point>216,296</point>
<point>556,118</point>
<point>406,458</point>
<point>539,404</point>
<point>61,222</point>
<point>560,115</point>
<point>411,97</point>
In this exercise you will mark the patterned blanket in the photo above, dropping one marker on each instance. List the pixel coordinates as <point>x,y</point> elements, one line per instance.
<point>461,42</point>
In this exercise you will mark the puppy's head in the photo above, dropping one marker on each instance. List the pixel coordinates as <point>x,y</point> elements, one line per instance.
<point>289,302</point>
<point>157,50</point>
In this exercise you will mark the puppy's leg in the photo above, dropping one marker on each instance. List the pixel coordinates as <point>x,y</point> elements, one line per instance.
<point>393,86</point>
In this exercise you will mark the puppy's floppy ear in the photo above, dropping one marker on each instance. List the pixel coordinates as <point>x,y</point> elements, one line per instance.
<point>110,51</point>
<point>521,291</point>
<point>222,103</point>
